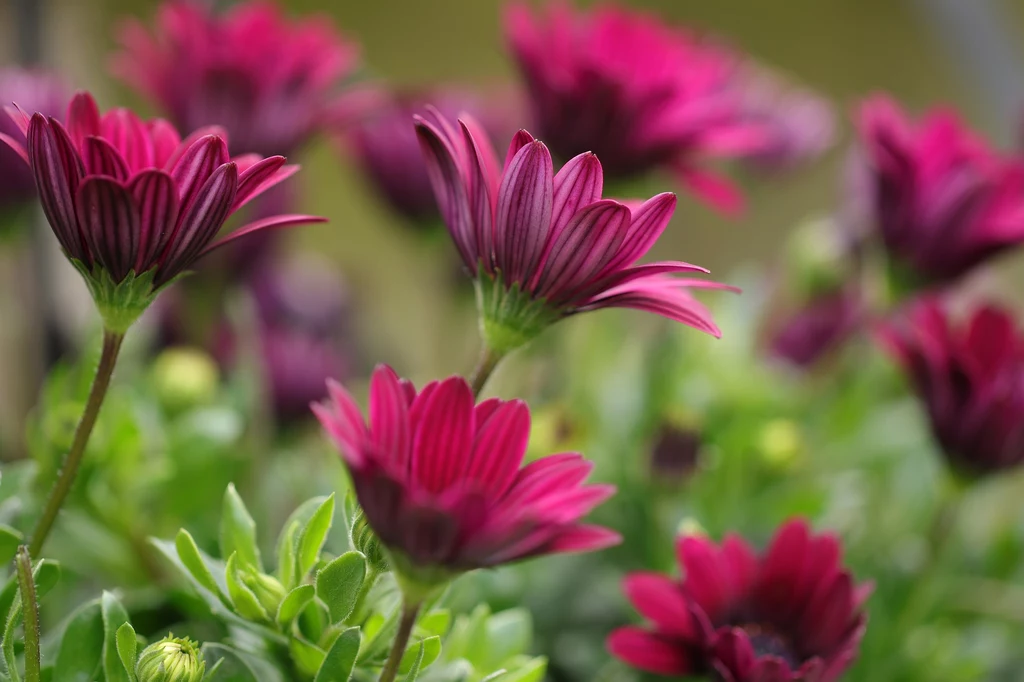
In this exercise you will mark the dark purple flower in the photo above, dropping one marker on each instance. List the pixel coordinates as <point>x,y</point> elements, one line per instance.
<point>970,378</point>
<point>791,615</point>
<point>270,82</point>
<point>32,91</point>
<point>388,150</point>
<point>941,201</point>
<point>637,93</point>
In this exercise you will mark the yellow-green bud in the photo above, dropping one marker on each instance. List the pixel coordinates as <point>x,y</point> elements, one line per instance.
<point>780,443</point>
<point>171,659</point>
<point>691,527</point>
<point>366,541</point>
<point>269,592</point>
<point>185,377</point>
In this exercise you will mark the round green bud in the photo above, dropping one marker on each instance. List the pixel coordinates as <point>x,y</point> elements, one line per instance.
<point>171,659</point>
<point>780,443</point>
<point>268,590</point>
<point>366,541</point>
<point>185,377</point>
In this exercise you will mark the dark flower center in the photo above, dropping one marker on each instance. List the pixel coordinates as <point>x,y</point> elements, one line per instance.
<point>767,641</point>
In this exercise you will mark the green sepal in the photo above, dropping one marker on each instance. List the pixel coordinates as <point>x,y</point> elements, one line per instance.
<point>120,303</point>
<point>509,316</point>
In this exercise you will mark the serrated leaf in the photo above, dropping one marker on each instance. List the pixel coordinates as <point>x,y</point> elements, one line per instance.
<point>243,599</point>
<point>114,616</point>
<point>313,537</point>
<point>421,654</point>
<point>338,584</point>
<point>293,603</point>
<point>81,648</point>
<point>192,559</point>
<point>238,530</point>
<point>10,539</point>
<point>307,657</point>
<point>127,648</point>
<point>341,658</point>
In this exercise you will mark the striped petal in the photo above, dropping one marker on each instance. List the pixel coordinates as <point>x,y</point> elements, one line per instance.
<point>449,189</point>
<point>57,173</point>
<point>524,213</point>
<point>499,447</point>
<point>195,167</point>
<point>444,437</point>
<point>129,135</point>
<point>259,177</point>
<point>101,158</point>
<point>156,197</point>
<point>202,220</point>
<point>648,222</point>
<point>284,220</point>
<point>483,189</point>
<point>389,421</point>
<point>83,118</point>
<point>110,222</point>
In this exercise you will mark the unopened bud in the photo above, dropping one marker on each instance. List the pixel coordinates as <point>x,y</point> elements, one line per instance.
<point>366,541</point>
<point>691,527</point>
<point>185,377</point>
<point>675,454</point>
<point>780,443</point>
<point>171,659</point>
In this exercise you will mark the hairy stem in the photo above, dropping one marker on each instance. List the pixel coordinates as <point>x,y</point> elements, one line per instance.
<point>409,613</point>
<point>489,359</point>
<point>73,460</point>
<point>30,610</point>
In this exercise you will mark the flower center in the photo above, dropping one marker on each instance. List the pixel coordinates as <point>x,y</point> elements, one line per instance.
<point>766,641</point>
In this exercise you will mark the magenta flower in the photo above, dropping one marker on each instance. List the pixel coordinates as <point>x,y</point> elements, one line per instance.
<point>270,82</point>
<point>542,246</point>
<point>941,202</point>
<point>798,125</point>
<point>639,94</point>
<point>442,483</point>
<point>792,614</point>
<point>34,92</point>
<point>132,205</point>
<point>820,326</point>
<point>388,150</point>
<point>970,378</point>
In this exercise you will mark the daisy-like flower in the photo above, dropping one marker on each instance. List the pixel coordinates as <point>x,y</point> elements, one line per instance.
<point>639,94</point>
<point>132,204</point>
<point>970,377</point>
<point>35,91</point>
<point>793,614</point>
<point>543,246</point>
<point>441,481</point>
<point>271,82</point>
<point>939,200</point>
<point>821,325</point>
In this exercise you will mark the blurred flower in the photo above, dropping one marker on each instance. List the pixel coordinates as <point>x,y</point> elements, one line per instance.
<point>544,246</point>
<point>440,482</point>
<point>172,659</point>
<point>792,614</point>
<point>184,377</point>
<point>970,378</point>
<point>639,94</point>
<point>941,201</point>
<point>675,453</point>
<point>270,82</point>
<point>134,206</point>
<point>388,151</point>
<point>798,124</point>
<point>302,319</point>
<point>821,325</point>
<point>32,91</point>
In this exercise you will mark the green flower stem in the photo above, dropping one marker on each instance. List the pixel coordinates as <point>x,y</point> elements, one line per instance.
<point>30,609</point>
<point>73,460</point>
<point>409,612</point>
<point>489,359</point>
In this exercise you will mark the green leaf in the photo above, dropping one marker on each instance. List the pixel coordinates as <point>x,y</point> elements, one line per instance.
<point>242,598</point>
<point>286,554</point>
<point>436,622</point>
<point>81,647</point>
<point>231,666</point>
<point>9,541</point>
<point>421,654</point>
<point>338,584</point>
<point>532,671</point>
<point>412,671</point>
<point>238,530</point>
<point>312,538</point>
<point>341,658</point>
<point>46,575</point>
<point>509,632</point>
<point>13,619</point>
<point>293,604</point>
<point>114,616</point>
<point>127,649</point>
<point>192,559</point>
<point>308,657</point>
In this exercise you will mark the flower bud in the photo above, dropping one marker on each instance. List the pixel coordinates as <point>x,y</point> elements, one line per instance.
<point>171,660</point>
<point>185,377</point>
<point>366,541</point>
<point>269,592</point>
<point>691,527</point>
<point>675,454</point>
<point>780,443</point>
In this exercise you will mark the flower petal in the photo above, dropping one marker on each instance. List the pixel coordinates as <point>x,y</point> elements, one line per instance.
<point>58,173</point>
<point>101,158</point>
<point>660,599</point>
<point>341,418</point>
<point>449,189</point>
<point>286,220</point>
<point>483,191</point>
<point>110,223</point>
<point>524,213</point>
<point>390,431</point>
<point>646,225</point>
<point>650,651</point>
<point>444,436</point>
<point>499,447</point>
<point>156,197</point>
<point>201,222</point>
<point>259,177</point>
<point>195,167</point>
<point>578,184</point>
<point>83,118</point>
